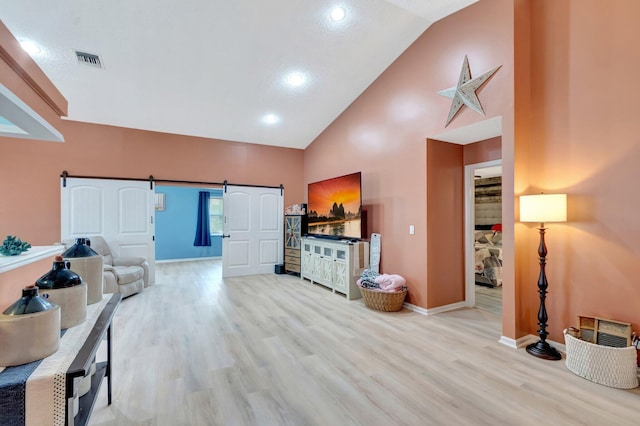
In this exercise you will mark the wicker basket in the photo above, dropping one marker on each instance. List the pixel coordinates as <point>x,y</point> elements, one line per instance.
<point>382,300</point>
<point>614,367</point>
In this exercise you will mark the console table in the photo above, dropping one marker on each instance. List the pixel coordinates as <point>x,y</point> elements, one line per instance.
<point>42,392</point>
<point>334,264</point>
<point>81,365</point>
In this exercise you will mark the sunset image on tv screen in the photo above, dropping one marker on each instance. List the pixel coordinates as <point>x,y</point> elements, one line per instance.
<point>334,206</point>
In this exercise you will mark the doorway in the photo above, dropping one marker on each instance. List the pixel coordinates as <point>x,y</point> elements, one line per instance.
<point>123,211</point>
<point>245,227</point>
<point>176,223</point>
<point>483,241</point>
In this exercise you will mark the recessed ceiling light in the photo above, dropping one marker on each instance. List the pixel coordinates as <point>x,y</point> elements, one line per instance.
<point>270,119</point>
<point>337,13</point>
<point>30,47</point>
<point>295,79</point>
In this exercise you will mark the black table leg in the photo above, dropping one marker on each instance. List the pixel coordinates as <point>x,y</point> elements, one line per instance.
<point>108,372</point>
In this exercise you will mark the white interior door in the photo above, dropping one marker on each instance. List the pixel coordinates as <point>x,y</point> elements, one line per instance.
<point>253,230</point>
<point>121,211</point>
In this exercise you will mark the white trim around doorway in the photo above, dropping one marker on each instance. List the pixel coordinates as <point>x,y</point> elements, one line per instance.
<point>469,220</point>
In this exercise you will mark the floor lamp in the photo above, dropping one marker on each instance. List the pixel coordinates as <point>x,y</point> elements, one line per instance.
<point>543,208</point>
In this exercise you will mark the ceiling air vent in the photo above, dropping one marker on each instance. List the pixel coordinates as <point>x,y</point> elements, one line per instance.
<point>89,59</point>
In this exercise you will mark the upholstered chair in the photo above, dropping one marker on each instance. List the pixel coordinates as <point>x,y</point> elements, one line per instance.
<point>126,275</point>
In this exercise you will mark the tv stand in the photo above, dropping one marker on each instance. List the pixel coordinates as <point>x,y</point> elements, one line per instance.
<point>334,264</point>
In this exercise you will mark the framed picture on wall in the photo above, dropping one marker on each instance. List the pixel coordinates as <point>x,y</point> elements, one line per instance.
<point>160,201</point>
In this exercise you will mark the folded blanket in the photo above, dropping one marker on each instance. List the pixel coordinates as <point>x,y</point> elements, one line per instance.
<point>368,279</point>
<point>390,282</point>
<point>383,282</point>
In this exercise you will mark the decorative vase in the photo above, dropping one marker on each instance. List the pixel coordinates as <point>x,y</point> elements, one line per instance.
<point>29,329</point>
<point>66,289</point>
<point>30,303</point>
<point>88,264</point>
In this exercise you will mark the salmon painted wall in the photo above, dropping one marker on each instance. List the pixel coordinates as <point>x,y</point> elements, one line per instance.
<point>585,141</point>
<point>486,150</point>
<point>30,177</point>
<point>12,282</point>
<point>384,133</point>
<point>20,74</point>
<point>445,223</point>
<point>445,215</point>
<point>23,77</point>
<point>519,150</point>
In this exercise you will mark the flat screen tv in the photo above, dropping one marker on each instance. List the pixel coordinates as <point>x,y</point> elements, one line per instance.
<point>334,207</point>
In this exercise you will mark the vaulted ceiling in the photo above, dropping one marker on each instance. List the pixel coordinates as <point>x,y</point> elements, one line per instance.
<point>274,72</point>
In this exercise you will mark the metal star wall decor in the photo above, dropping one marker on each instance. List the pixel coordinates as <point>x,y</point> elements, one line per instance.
<point>465,92</point>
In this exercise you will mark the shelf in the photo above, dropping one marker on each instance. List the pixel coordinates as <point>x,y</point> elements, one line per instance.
<point>34,254</point>
<point>88,400</point>
<point>81,365</point>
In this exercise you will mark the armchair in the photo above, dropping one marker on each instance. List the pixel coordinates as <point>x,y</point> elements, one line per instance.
<point>126,275</point>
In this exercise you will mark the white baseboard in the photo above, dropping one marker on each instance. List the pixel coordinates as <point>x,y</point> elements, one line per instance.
<point>415,308</point>
<point>528,339</point>
<point>517,343</point>
<point>508,341</point>
<point>437,310</point>
<point>193,259</point>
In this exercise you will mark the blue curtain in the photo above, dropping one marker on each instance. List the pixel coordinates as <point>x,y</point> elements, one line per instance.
<point>203,236</point>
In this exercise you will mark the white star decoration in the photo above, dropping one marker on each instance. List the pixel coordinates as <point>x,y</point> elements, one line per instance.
<point>465,92</point>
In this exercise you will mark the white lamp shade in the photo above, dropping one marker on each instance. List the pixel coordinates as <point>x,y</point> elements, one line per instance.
<point>543,208</point>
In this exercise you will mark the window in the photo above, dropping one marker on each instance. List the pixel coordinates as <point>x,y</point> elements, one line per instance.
<point>216,216</point>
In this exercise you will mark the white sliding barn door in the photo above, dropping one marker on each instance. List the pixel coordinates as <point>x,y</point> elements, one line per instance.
<point>121,211</point>
<point>253,230</point>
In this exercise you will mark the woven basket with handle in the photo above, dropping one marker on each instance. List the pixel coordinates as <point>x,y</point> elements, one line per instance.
<point>614,367</point>
<point>382,300</point>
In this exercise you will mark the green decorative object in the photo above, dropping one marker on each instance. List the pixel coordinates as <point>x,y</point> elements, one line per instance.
<point>13,246</point>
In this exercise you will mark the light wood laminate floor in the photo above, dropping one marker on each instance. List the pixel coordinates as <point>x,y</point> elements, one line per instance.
<point>276,350</point>
<point>489,299</point>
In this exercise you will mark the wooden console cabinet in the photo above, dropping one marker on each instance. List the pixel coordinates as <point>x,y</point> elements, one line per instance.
<point>295,226</point>
<point>334,264</point>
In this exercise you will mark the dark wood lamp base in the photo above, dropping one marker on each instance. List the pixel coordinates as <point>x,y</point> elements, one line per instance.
<point>544,350</point>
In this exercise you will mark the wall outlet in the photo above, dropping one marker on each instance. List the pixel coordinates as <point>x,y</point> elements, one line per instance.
<point>412,230</point>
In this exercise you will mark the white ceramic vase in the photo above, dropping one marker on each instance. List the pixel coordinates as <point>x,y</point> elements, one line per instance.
<point>72,302</point>
<point>29,337</point>
<point>90,269</point>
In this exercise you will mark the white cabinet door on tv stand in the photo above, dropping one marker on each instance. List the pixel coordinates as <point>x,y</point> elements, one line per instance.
<point>334,264</point>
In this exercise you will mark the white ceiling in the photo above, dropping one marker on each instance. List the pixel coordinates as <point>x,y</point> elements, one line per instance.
<point>478,131</point>
<point>488,172</point>
<point>215,68</point>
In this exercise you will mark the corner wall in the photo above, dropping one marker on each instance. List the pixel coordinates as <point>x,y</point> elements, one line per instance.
<point>445,224</point>
<point>384,134</point>
<point>585,142</point>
